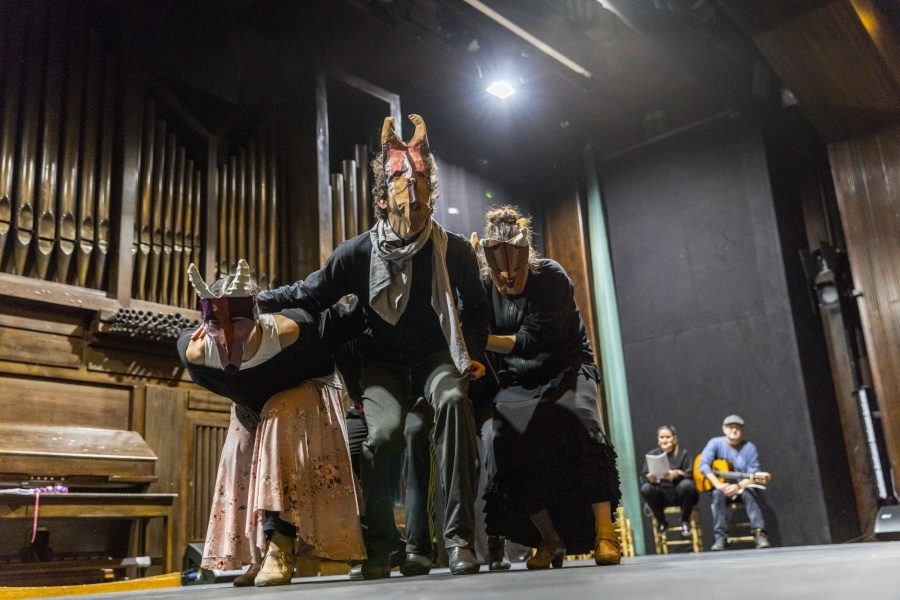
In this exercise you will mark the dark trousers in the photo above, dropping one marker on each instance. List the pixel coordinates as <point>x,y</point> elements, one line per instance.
<point>390,392</point>
<point>658,497</point>
<point>719,505</point>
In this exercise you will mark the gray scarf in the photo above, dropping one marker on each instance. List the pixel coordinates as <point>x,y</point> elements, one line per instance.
<point>390,277</point>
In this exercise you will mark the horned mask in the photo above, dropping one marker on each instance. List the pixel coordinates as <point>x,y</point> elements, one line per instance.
<point>508,262</point>
<point>229,319</point>
<point>407,172</point>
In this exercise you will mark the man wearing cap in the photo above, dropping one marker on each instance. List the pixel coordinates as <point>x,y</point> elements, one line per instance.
<point>744,458</point>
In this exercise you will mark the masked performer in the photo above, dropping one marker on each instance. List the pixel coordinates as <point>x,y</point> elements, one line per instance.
<point>285,485</point>
<point>426,313</point>
<point>555,484</point>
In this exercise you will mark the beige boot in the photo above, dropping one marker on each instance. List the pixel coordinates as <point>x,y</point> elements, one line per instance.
<point>607,548</point>
<point>278,565</point>
<point>246,578</point>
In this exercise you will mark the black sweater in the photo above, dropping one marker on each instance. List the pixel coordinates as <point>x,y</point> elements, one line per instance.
<point>550,334</point>
<point>418,332</point>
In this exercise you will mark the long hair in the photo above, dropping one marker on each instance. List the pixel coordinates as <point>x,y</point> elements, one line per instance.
<point>504,223</point>
<point>380,189</point>
<point>676,446</point>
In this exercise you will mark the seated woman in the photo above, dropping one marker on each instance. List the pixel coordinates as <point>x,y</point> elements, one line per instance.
<point>675,487</point>
<point>285,483</point>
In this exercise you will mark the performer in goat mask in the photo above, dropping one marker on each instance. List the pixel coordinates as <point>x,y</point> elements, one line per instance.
<point>426,313</point>
<point>555,484</point>
<point>284,485</point>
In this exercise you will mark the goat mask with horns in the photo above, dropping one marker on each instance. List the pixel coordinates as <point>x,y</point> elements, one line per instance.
<point>229,319</point>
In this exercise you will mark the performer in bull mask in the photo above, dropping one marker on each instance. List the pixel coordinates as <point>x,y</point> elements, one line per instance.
<point>284,485</point>
<point>426,312</point>
<point>555,484</point>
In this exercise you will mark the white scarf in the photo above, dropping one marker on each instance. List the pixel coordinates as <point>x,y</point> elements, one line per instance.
<point>390,278</point>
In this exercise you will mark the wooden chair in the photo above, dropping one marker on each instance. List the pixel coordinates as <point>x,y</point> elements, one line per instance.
<point>736,510</point>
<point>623,530</point>
<point>672,535</point>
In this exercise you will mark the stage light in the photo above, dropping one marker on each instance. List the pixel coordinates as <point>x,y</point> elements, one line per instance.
<point>501,89</point>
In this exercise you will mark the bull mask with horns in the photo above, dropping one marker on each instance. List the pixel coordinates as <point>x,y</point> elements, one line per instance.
<point>229,319</point>
<point>408,170</point>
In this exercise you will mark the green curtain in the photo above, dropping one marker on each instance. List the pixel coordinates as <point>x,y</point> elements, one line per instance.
<point>612,360</point>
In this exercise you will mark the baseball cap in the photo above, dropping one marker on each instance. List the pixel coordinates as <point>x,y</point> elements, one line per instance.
<point>733,420</point>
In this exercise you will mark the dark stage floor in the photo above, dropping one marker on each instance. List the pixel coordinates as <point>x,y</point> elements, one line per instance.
<point>869,571</point>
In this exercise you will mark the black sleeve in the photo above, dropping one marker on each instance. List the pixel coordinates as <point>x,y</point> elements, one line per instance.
<point>472,300</point>
<point>342,322</point>
<point>316,293</point>
<point>645,470</point>
<point>545,328</point>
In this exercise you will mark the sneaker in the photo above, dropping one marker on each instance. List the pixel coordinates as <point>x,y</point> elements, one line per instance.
<point>686,530</point>
<point>762,540</point>
<point>719,544</point>
<point>661,528</point>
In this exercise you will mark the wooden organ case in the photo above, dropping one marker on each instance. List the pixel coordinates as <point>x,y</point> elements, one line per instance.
<point>112,181</point>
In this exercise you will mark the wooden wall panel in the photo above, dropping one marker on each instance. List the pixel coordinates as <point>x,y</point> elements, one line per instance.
<point>40,402</point>
<point>203,400</point>
<point>31,347</point>
<point>866,173</point>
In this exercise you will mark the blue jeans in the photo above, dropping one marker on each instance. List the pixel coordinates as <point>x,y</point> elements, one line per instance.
<point>720,512</point>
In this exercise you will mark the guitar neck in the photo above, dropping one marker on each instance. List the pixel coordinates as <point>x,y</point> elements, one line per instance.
<point>734,474</point>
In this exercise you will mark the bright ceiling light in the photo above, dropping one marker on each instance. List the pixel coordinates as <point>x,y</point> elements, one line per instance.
<point>501,89</point>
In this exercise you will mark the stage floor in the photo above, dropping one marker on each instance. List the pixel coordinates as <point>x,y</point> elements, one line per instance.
<point>862,571</point>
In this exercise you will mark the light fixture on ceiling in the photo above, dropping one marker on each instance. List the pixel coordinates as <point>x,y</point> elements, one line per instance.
<point>501,89</point>
<point>549,51</point>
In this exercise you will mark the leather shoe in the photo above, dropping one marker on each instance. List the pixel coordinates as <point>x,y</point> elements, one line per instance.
<point>376,567</point>
<point>497,560</point>
<point>416,564</point>
<point>547,553</point>
<point>246,578</point>
<point>719,544</point>
<point>762,540</point>
<point>686,530</point>
<point>462,561</point>
<point>608,552</point>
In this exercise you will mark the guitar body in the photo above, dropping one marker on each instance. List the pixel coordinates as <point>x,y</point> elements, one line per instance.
<point>724,470</point>
<point>701,481</point>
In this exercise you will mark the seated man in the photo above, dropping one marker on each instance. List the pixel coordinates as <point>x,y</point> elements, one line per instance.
<point>744,459</point>
<point>673,488</point>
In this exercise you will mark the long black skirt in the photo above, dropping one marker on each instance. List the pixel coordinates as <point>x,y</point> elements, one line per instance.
<point>551,452</point>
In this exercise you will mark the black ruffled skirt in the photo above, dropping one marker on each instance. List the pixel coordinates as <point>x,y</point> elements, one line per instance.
<point>550,452</point>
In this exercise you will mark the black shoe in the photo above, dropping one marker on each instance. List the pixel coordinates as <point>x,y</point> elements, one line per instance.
<point>719,544</point>
<point>377,567</point>
<point>661,528</point>
<point>685,529</point>
<point>497,560</point>
<point>462,561</point>
<point>762,540</point>
<point>416,564</point>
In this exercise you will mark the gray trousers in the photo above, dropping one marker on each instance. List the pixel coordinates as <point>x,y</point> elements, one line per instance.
<point>389,393</point>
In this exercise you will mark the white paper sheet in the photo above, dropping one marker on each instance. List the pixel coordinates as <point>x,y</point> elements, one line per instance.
<point>658,464</point>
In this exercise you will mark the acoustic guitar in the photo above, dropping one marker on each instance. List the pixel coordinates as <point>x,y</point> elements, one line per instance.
<point>724,470</point>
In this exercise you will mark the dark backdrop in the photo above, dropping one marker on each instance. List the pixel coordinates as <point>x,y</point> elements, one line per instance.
<point>707,320</point>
